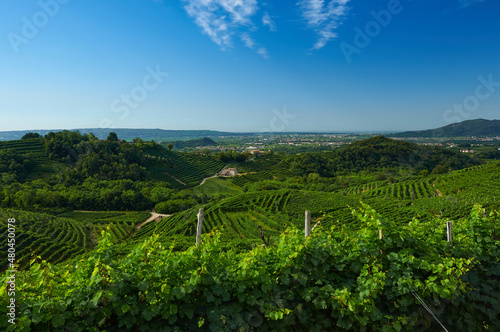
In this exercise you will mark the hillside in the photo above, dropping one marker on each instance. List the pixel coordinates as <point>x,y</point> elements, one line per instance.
<point>104,159</point>
<point>381,153</point>
<point>477,128</point>
<point>193,143</point>
<point>288,283</point>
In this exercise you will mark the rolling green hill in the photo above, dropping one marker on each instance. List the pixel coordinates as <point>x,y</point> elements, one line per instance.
<point>478,128</point>
<point>449,195</point>
<point>193,143</point>
<point>381,153</point>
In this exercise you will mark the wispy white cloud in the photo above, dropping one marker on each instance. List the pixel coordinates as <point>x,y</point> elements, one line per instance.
<point>263,51</point>
<point>220,19</point>
<point>467,3</point>
<point>247,40</point>
<point>324,17</point>
<point>268,21</point>
<point>250,43</point>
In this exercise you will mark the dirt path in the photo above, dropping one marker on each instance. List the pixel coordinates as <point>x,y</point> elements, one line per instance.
<point>177,180</point>
<point>437,192</point>
<point>210,177</point>
<point>154,216</point>
<point>213,176</point>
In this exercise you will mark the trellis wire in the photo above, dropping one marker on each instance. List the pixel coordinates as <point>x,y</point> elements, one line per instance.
<point>429,310</point>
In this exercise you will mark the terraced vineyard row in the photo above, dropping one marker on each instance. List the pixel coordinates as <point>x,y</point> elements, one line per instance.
<point>54,239</point>
<point>187,168</point>
<point>120,232</point>
<point>240,216</point>
<point>408,190</point>
<point>32,146</point>
<point>364,187</point>
<point>479,181</point>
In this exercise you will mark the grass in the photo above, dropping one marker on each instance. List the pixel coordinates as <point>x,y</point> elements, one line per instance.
<point>108,217</point>
<point>217,186</point>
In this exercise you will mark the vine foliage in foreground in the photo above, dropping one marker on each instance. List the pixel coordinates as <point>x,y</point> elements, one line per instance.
<point>342,278</point>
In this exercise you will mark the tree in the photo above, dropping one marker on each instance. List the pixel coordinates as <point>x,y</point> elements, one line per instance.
<point>424,173</point>
<point>31,135</point>
<point>112,137</point>
<point>440,169</point>
<point>170,146</point>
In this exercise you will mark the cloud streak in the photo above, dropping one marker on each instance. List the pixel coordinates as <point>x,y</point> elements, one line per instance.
<point>247,40</point>
<point>268,21</point>
<point>324,17</point>
<point>219,19</point>
<point>263,51</point>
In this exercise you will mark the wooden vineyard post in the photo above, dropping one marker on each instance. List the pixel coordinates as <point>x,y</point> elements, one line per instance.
<point>308,223</point>
<point>449,231</point>
<point>199,227</point>
<point>380,237</point>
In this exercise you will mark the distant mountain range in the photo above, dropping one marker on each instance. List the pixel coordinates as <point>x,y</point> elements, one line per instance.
<point>478,128</point>
<point>130,134</point>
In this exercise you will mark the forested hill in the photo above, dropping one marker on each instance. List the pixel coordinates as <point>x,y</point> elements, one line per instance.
<point>73,158</point>
<point>193,143</point>
<point>381,153</point>
<point>478,128</point>
<point>130,134</point>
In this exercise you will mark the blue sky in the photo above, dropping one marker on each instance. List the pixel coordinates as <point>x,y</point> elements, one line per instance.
<point>248,65</point>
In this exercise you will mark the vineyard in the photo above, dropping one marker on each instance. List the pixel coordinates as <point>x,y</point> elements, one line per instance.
<point>182,169</point>
<point>67,235</point>
<point>33,146</point>
<point>53,239</point>
<point>450,195</point>
<point>241,216</point>
<point>119,232</point>
<point>254,269</point>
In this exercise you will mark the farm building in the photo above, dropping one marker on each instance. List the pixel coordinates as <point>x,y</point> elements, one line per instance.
<point>229,172</point>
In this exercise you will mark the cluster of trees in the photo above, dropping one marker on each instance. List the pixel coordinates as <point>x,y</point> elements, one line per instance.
<point>15,166</point>
<point>232,155</point>
<point>95,194</point>
<point>492,154</point>
<point>109,159</point>
<point>192,143</point>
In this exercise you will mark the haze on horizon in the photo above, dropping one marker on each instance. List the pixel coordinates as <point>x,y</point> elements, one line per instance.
<point>249,65</point>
